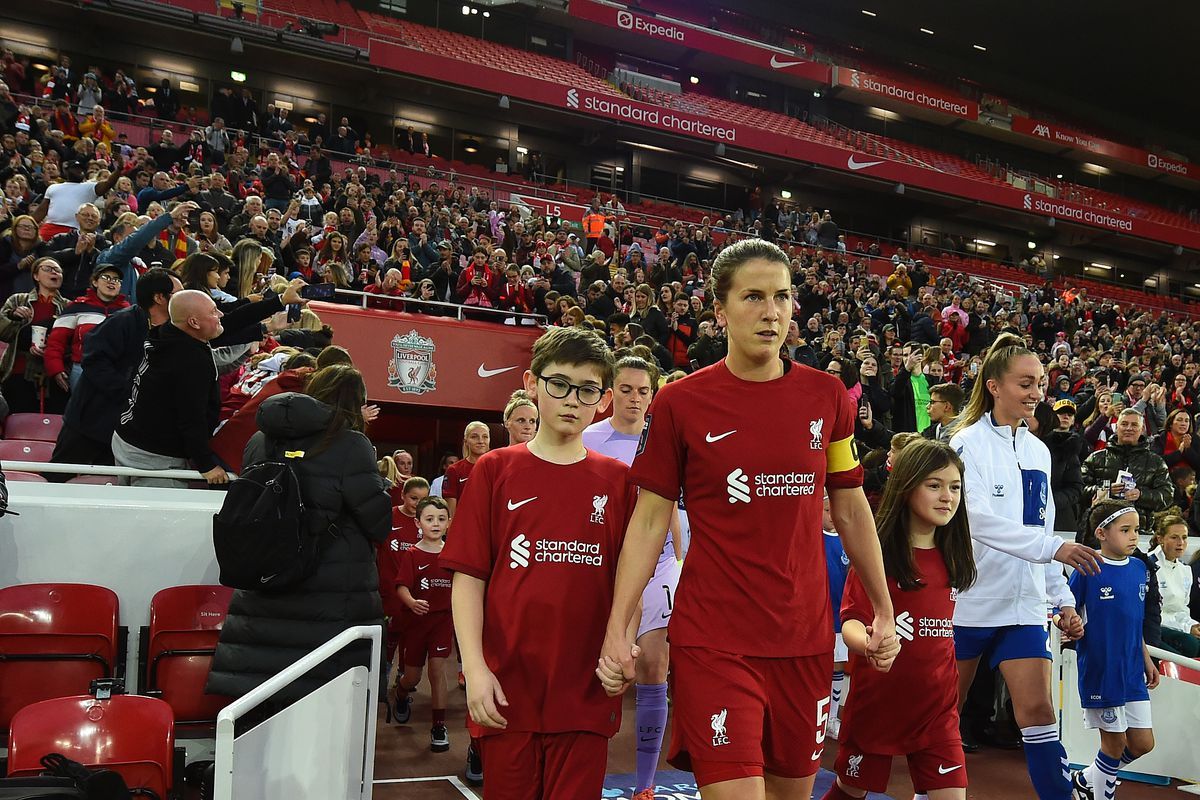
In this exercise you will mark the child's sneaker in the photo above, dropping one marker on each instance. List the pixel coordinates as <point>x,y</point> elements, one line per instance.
<point>474,766</point>
<point>439,739</point>
<point>1079,788</point>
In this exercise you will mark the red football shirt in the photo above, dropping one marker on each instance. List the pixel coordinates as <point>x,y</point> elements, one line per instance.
<point>752,460</point>
<point>546,538</point>
<point>456,479</point>
<point>425,578</point>
<point>405,534</point>
<point>919,695</point>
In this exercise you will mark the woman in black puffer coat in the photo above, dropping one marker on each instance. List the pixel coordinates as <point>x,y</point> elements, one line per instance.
<point>266,632</point>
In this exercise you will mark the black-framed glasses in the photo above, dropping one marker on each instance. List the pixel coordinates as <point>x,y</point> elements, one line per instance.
<point>559,389</point>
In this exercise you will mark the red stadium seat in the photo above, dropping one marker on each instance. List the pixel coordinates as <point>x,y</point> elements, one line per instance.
<point>185,622</point>
<point>133,736</point>
<point>35,427</point>
<point>27,477</point>
<point>1173,670</point>
<point>55,639</point>
<point>25,450</point>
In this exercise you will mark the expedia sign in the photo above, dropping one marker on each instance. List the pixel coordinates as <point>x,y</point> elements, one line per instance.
<point>1166,165</point>
<point>651,27</point>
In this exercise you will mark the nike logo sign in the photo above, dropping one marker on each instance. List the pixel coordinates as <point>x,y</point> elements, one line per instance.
<point>943,771</point>
<point>777,64</point>
<point>268,578</point>
<point>857,165</point>
<point>421,568</point>
<point>514,506</point>
<point>484,372</point>
<point>708,437</point>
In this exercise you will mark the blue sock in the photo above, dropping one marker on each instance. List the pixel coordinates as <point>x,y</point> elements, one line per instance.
<point>1105,787</point>
<point>1127,758</point>
<point>651,719</point>
<point>1047,762</point>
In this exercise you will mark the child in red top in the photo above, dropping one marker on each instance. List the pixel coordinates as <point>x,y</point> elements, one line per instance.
<point>534,546</point>
<point>423,587</point>
<point>928,558</point>
<point>388,555</point>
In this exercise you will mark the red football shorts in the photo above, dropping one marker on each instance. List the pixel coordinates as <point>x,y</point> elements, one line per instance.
<point>532,766</point>
<point>749,711</point>
<point>429,636</point>
<point>939,766</point>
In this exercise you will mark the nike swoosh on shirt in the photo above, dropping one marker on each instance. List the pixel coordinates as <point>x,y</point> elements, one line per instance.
<point>708,437</point>
<point>857,165</point>
<point>777,64</point>
<point>460,480</point>
<point>943,771</point>
<point>484,372</point>
<point>817,754</point>
<point>421,568</point>
<point>514,506</point>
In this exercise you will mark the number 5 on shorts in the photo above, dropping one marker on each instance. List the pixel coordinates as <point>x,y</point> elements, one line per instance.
<point>822,718</point>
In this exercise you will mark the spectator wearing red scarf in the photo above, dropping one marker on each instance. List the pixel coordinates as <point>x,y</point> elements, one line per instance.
<point>392,287</point>
<point>514,294</point>
<point>478,285</point>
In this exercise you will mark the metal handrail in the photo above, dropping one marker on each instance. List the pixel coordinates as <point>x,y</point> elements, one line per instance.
<point>92,469</point>
<point>459,309</point>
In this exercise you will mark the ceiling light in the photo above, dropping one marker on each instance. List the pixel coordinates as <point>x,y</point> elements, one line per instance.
<point>150,89</point>
<point>470,146</point>
<point>785,194</point>
<point>816,93</point>
<point>1059,176</point>
<point>1098,265</point>
<point>694,80</point>
<point>487,14</point>
<point>1032,245</point>
<point>234,75</point>
<point>522,150</point>
<point>466,11</point>
<point>620,169</point>
<point>926,30</point>
<point>869,13</point>
<point>40,67</point>
<point>310,120</point>
<point>1122,274</point>
<point>474,10</point>
<point>980,48</point>
<point>985,243</point>
<point>1055,256</point>
<point>189,86</point>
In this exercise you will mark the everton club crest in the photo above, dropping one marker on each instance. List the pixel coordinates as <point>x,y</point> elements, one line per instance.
<point>412,370</point>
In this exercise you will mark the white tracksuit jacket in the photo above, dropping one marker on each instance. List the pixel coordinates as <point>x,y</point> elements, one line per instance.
<point>1017,577</point>
<point>1175,583</point>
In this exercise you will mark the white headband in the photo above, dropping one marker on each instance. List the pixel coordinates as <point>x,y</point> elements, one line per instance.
<point>1119,512</point>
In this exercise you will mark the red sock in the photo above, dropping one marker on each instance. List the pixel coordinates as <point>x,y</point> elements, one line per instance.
<point>835,793</point>
<point>439,717</point>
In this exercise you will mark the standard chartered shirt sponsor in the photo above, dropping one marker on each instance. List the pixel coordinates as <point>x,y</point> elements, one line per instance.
<point>785,484</point>
<point>558,551</point>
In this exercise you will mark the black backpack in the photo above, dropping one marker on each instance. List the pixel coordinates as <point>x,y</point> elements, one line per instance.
<point>262,536</point>
<point>65,779</point>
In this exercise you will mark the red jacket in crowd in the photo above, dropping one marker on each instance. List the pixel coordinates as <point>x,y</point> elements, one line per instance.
<point>230,439</point>
<point>72,327</point>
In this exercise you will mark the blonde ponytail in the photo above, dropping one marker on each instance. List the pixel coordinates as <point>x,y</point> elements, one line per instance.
<point>1006,348</point>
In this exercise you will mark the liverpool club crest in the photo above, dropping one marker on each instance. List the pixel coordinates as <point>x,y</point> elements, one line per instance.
<point>412,370</point>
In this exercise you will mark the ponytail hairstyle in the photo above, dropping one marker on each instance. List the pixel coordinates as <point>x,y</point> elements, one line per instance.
<point>1100,512</point>
<point>915,463</point>
<point>519,399</point>
<point>1006,348</point>
<point>1164,521</point>
<point>650,367</point>
<point>736,256</point>
<point>475,425</point>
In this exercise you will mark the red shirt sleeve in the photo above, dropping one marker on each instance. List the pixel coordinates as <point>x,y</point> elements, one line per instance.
<point>469,546</point>
<point>841,456</point>
<point>405,573</point>
<point>658,464</point>
<point>855,603</point>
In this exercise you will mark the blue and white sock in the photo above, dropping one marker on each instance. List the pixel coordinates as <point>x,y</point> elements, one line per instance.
<point>1047,762</point>
<point>1105,770</point>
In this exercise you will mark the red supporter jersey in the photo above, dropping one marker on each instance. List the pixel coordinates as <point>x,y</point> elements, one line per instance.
<point>405,534</point>
<point>546,538</point>
<point>919,695</point>
<point>456,479</point>
<point>425,577</point>
<point>752,460</point>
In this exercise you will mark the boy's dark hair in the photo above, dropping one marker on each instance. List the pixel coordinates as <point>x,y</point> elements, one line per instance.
<point>432,500</point>
<point>650,367</point>
<point>618,319</point>
<point>953,540</point>
<point>574,347</point>
<point>155,280</point>
<point>952,393</point>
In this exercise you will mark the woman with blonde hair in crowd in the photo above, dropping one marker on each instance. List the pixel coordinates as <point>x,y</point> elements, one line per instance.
<point>387,468</point>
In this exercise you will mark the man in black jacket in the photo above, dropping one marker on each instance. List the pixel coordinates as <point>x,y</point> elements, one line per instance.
<point>220,202</point>
<point>176,399</point>
<point>76,251</point>
<point>113,351</point>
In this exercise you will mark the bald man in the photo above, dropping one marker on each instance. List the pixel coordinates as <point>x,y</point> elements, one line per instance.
<point>175,402</point>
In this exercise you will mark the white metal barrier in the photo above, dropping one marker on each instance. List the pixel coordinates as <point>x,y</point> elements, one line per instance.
<point>1175,707</point>
<point>322,747</point>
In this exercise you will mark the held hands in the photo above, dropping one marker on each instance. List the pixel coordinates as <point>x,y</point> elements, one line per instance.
<point>485,698</point>
<point>1070,623</point>
<point>882,647</point>
<point>614,668</point>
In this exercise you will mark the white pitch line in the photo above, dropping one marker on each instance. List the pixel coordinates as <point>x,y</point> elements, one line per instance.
<point>452,779</point>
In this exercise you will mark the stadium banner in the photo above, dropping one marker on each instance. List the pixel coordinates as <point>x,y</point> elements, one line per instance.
<point>696,37</point>
<point>435,361</point>
<point>1075,140</point>
<point>910,93</point>
<point>756,138</point>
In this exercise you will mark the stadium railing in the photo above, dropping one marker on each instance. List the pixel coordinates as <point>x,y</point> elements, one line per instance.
<point>321,746</point>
